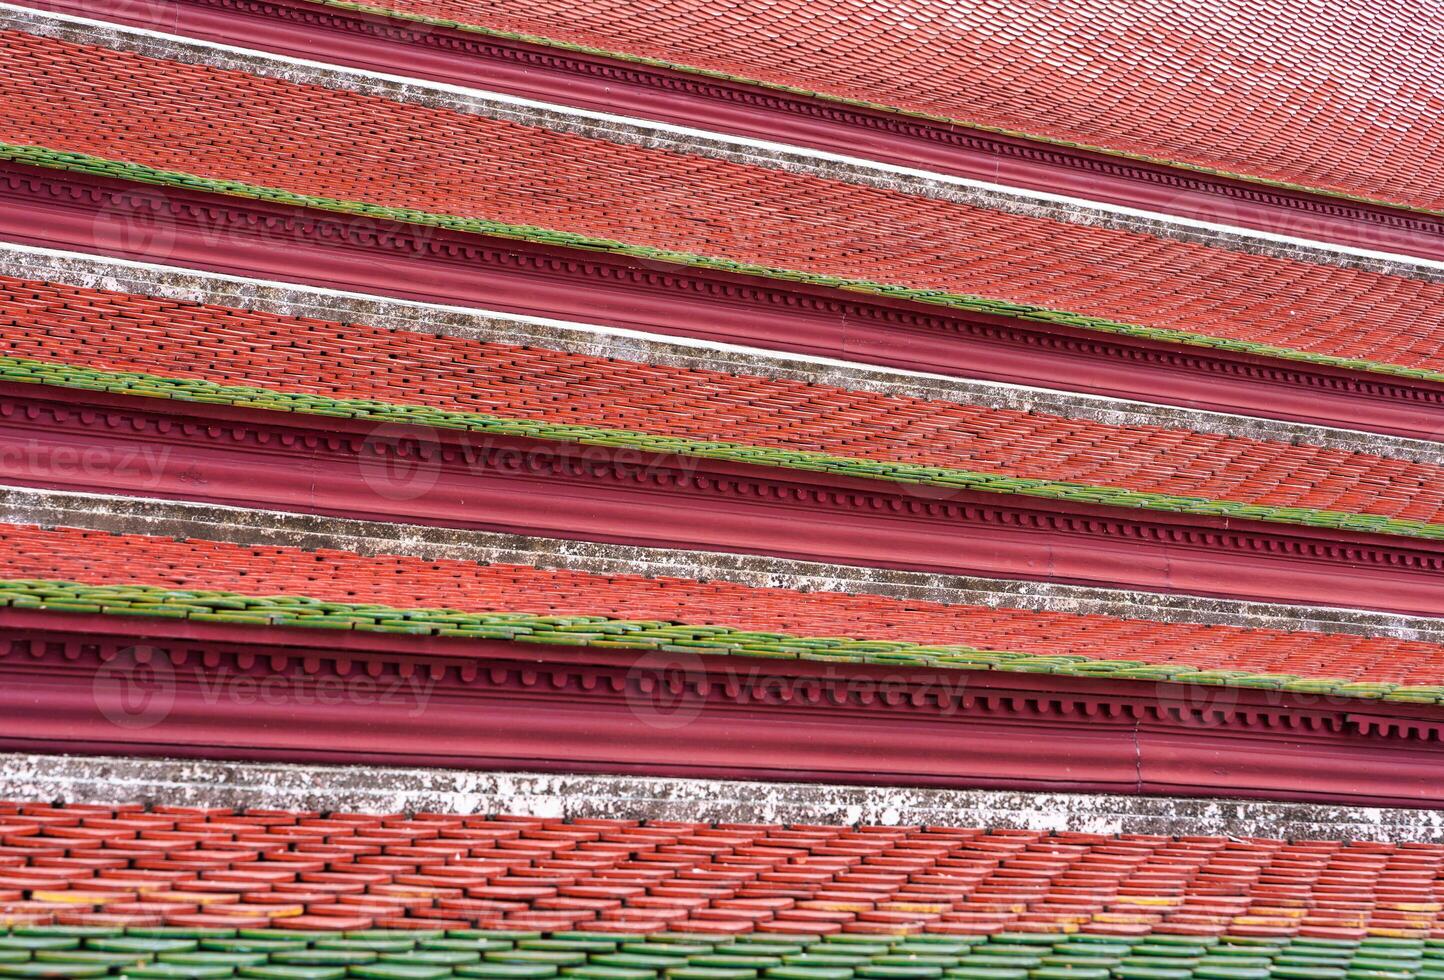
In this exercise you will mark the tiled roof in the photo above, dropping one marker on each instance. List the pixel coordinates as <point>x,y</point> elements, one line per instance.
<point>831,892</point>
<point>281,141</point>
<point>119,332</point>
<point>129,573</point>
<point>275,954</point>
<point>1337,98</point>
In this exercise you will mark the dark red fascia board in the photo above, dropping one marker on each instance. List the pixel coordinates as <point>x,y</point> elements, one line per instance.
<point>72,683</point>
<point>86,441</point>
<point>378,43</point>
<point>58,209</point>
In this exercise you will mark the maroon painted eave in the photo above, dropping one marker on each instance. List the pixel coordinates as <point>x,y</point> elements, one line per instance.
<point>377,43</point>
<point>87,441</point>
<point>135,686</point>
<point>58,209</point>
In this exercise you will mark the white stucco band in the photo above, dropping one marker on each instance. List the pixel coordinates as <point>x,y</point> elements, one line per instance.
<point>97,779</point>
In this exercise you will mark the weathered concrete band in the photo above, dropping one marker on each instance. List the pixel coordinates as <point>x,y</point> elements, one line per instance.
<point>640,132</point>
<point>296,300</point>
<point>100,779</point>
<point>130,515</point>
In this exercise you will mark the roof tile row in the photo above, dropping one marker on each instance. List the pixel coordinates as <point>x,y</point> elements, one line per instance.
<point>128,866</point>
<point>1336,97</point>
<point>96,558</point>
<point>336,145</point>
<point>128,332</point>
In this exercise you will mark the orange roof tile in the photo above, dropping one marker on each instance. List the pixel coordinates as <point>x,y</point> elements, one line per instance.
<point>318,142</point>
<point>191,868</point>
<point>98,558</point>
<point>1340,97</point>
<point>124,332</point>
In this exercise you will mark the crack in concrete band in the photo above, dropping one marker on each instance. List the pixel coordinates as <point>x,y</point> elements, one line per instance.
<point>306,301</point>
<point>99,779</point>
<point>255,528</point>
<point>790,159</point>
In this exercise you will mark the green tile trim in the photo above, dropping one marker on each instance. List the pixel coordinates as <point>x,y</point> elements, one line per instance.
<point>430,21</point>
<point>607,633</point>
<point>26,370</point>
<point>1017,956</point>
<point>40,156</point>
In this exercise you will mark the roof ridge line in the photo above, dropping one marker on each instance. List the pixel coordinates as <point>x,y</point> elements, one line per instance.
<point>142,384</point>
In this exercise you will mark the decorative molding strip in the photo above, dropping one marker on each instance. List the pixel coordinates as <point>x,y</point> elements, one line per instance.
<point>68,684</point>
<point>395,45</point>
<point>641,132</point>
<point>287,299</point>
<point>139,600</point>
<point>62,374</point>
<point>54,208</point>
<point>135,173</point>
<point>252,527</point>
<point>87,440</point>
<point>570,796</point>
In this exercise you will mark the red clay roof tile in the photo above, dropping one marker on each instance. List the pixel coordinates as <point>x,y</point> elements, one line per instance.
<point>1339,96</point>
<point>98,558</point>
<point>463,871</point>
<point>314,141</point>
<point>125,332</point>
<point>228,869</point>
